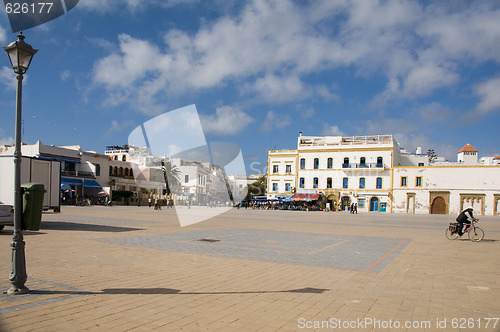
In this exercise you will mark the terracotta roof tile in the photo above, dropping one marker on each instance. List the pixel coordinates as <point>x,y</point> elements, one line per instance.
<point>468,148</point>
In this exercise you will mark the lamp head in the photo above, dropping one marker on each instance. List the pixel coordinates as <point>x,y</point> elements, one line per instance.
<point>20,54</point>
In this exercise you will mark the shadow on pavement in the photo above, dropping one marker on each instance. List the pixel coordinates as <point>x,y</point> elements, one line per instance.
<point>72,226</point>
<point>158,291</point>
<point>176,291</point>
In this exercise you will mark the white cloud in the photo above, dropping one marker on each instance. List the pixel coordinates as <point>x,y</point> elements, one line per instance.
<point>65,75</point>
<point>308,112</point>
<point>489,92</point>
<point>273,89</point>
<point>3,34</point>
<point>424,79</point>
<point>326,93</point>
<point>173,149</point>
<point>109,5</point>
<point>226,121</point>
<point>119,126</point>
<point>412,141</point>
<point>329,130</point>
<point>470,32</point>
<point>134,62</point>
<point>8,78</point>
<point>7,141</point>
<point>130,5</point>
<point>270,49</point>
<point>274,120</point>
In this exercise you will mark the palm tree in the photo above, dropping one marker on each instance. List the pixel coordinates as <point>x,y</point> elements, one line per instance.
<point>171,175</point>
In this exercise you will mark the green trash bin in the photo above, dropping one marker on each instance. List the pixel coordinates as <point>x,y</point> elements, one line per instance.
<point>32,205</point>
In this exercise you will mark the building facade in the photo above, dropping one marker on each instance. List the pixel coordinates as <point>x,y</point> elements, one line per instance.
<point>375,173</point>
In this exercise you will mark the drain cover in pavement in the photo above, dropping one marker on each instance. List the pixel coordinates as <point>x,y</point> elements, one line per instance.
<point>209,240</point>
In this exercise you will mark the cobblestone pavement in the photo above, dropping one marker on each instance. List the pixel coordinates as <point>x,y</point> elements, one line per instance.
<point>130,268</point>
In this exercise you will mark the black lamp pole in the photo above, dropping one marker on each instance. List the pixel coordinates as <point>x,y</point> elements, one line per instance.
<point>20,56</point>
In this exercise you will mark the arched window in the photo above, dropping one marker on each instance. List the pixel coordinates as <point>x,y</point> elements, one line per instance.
<point>124,158</point>
<point>345,183</point>
<point>315,182</point>
<point>346,163</point>
<point>379,183</point>
<point>329,163</point>
<point>126,172</point>
<point>380,162</point>
<point>301,182</point>
<point>316,163</point>
<point>302,163</point>
<point>361,183</point>
<point>329,182</point>
<point>362,162</point>
<point>110,170</point>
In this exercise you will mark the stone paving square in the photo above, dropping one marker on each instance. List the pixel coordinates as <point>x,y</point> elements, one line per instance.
<point>327,250</point>
<point>136,269</point>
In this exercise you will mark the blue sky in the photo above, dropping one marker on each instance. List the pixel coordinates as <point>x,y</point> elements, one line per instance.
<point>260,72</point>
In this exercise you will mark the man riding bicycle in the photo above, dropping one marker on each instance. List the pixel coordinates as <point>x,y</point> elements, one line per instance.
<point>465,218</point>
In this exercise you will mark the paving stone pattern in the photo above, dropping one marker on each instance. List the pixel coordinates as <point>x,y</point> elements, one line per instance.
<point>136,269</point>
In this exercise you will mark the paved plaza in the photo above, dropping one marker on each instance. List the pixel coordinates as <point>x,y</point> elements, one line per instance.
<point>135,269</point>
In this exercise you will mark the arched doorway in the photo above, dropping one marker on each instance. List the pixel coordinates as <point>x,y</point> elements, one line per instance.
<point>374,204</point>
<point>410,205</point>
<point>438,206</point>
<point>332,200</point>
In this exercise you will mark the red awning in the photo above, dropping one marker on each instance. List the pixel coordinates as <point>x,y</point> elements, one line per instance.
<point>305,197</point>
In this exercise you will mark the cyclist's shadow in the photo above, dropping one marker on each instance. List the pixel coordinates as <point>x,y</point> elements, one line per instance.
<point>483,240</point>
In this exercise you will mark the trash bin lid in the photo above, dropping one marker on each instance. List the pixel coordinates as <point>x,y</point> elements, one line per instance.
<point>33,186</point>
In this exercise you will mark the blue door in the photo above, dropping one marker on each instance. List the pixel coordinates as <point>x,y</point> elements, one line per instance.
<point>374,204</point>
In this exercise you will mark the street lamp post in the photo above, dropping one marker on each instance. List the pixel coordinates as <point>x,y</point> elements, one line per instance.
<point>20,56</point>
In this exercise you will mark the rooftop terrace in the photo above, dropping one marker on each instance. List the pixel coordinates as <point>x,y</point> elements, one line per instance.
<point>307,141</point>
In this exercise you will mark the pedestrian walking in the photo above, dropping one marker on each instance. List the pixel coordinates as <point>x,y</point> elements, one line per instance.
<point>149,201</point>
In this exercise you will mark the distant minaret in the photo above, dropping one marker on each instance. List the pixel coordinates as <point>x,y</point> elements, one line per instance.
<point>467,155</point>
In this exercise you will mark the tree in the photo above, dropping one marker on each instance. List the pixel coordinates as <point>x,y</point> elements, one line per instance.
<point>171,175</point>
<point>258,187</point>
<point>431,155</point>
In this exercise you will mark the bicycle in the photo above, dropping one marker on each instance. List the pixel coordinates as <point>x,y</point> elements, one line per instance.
<point>475,233</point>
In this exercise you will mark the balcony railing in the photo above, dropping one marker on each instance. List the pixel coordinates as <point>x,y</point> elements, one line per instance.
<point>364,165</point>
<point>79,174</point>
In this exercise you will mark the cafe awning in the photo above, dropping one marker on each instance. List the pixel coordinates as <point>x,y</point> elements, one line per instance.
<point>78,182</point>
<point>305,197</point>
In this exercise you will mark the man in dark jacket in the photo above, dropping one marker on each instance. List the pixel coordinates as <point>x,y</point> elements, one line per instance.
<point>464,218</point>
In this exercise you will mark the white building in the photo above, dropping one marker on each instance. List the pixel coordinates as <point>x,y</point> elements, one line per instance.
<point>82,173</point>
<point>200,183</point>
<point>375,173</point>
<point>88,174</point>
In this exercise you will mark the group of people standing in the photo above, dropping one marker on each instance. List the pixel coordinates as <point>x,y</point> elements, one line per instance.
<point>157,203</point>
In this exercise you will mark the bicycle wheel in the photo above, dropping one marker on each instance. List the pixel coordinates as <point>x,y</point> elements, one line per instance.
<point>476,235</point>
<point>450,235</point>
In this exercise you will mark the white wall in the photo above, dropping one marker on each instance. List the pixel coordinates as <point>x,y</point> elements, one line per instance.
<point>453,179</point>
